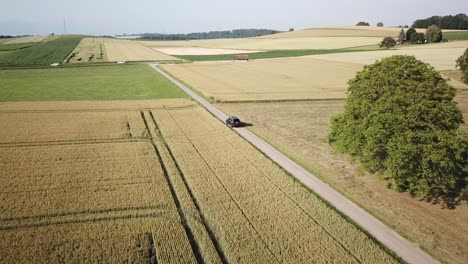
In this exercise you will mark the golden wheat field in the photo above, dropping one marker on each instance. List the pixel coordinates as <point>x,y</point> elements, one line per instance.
<point>88,50</point>
<point>127,50</point>
<point>257,211</point>
<point>269,79</point>
<point>127,182</point>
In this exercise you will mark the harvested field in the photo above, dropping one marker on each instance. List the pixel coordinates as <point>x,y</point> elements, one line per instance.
<point>89,50</point>
<point>127,50</point>
<point>442,45</point>
<point>440,58</point>
<point>26,39</point>
<point>244,187</point>
<point>199,51</point>
<point>299,131</point>
<point>271,44</point>
<point>269,79</point>
<point>354,31</point>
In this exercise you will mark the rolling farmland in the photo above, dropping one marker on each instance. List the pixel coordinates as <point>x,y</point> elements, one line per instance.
<point>273,79</point>
<point>53,51</point>
<point>271,44</point>
<point>129,185</point>
<point>442,57</point>
<point>26,39</point>
<point>127,50</point>
<point>89,50</point>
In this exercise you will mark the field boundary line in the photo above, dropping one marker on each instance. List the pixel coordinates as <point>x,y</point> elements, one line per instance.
<point>26,111</point>
<point>188,232</point>
<point>381,232</point>
<point>71,142</point>
<point>279,100</point>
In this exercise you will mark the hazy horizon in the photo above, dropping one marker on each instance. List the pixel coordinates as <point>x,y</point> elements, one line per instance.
<point>26,17</point>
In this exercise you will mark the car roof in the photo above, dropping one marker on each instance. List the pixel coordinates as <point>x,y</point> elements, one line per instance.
<point>234,117</point>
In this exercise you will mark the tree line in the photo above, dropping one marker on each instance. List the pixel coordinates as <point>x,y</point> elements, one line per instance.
<point>459,21</point>
<point>236,33</point>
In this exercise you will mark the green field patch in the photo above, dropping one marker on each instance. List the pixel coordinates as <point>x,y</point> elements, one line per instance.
<point>44,53</point>
<point>11,47</point>
<point>270,54</point>
<point>117,82</point>
<point>458,35</point>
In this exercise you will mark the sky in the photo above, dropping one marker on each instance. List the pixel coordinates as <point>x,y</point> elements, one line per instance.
<point>111,17</point>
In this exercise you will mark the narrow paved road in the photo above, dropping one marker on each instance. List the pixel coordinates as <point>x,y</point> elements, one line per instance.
<point>402,247</point>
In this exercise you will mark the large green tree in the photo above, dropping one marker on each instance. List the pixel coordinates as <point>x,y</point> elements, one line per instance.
<point>462,63</point>
<point>400,121</point>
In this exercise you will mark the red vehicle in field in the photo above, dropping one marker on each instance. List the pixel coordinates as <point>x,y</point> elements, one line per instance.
<point>233,121</point>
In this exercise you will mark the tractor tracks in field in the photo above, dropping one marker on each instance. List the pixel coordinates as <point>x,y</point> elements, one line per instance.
<point>191,216</point>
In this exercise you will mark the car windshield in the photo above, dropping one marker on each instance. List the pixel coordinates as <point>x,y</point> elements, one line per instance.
<point>235,119</point>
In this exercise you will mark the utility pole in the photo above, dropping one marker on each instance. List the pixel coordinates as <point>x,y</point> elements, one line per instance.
<point>64,26</point>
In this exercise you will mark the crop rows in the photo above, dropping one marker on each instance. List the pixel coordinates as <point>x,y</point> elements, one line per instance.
<point>268,212</point>
<point>35,127</point>
<point>67,201</point>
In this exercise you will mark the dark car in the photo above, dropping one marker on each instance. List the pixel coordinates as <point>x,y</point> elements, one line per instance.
<point>233,121</point>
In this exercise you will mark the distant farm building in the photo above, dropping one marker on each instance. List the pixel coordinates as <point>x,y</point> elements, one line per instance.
<point>241,57</point>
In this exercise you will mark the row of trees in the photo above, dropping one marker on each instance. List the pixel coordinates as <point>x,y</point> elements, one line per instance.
<point>459,21</point>
<point>401,122</point>
<point>236,33</point>
<point>366,24</point>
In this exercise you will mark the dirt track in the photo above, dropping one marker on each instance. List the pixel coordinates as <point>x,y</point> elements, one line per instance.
<point>403,248</point>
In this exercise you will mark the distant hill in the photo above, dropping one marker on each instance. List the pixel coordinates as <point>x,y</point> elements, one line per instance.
<point>236,33</point>
<point>459,21</point>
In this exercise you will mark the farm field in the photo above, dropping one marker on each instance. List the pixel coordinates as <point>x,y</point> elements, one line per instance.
<point>299,131</point>
<point>127,50</point>
<point>25,39</point>
<point>96,192</point>
<point>116,82</point>
<point>271,44</point>
<point>46,53</point>
<point>272,79</point>
<point>199,51</point>
<point>89,50</point>
<point>127,184</point>
<point>440,57</point>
